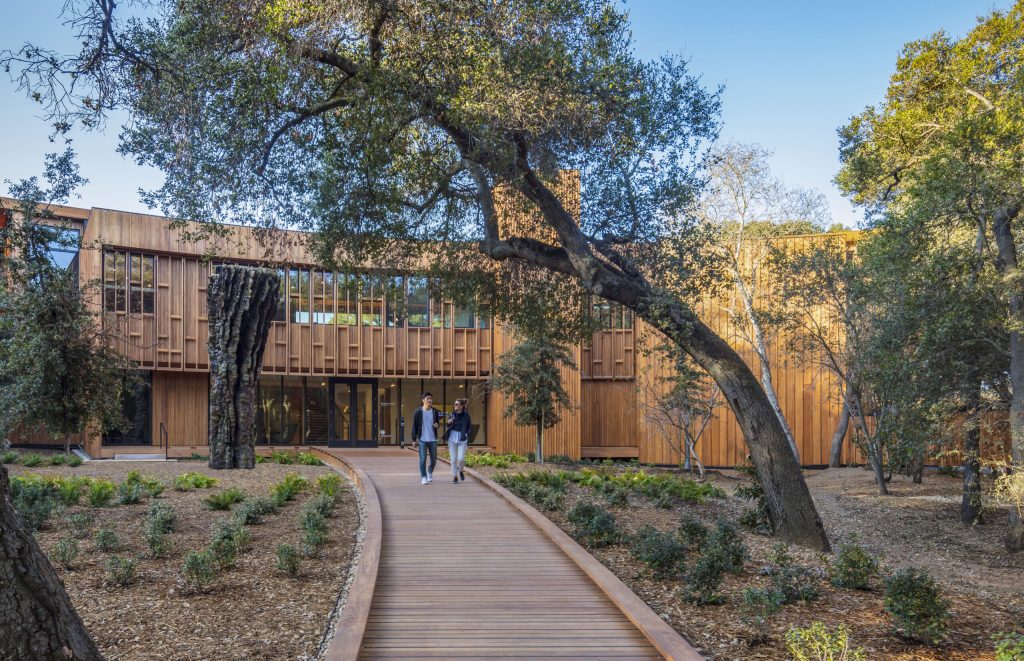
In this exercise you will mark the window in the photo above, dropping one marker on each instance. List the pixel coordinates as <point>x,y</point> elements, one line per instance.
<point>348,300</point>
<point>323,297</point>
<point>282,301</point>
<point>128,282</point>
<point>440,316</point>
<point>61,245</point>
<point>418,303</point>
<point>136,406</point>
<point>608,315</point>
<point>394,297</point>
<point>298,294</point>
<point>483,317</point>
<point>371,300</point>
<point>465,316</point>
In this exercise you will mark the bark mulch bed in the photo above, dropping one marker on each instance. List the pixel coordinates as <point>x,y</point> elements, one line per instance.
<point>253,611</point>
<point>916,526</point>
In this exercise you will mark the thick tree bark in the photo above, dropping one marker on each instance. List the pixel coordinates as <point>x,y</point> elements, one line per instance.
<point>241,301</point>
<point>836,452</point>
<point>37,620</point>
<point>1009,267</point>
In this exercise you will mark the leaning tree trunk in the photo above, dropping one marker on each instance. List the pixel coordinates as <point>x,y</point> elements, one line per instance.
<point>1008,267</point>
<point>836,452</point>
<point>37,620</point>
<point>241,301</point>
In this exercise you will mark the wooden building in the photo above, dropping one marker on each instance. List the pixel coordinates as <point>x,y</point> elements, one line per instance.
<point>345,365</point>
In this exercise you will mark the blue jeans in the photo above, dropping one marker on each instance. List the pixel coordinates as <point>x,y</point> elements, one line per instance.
<point>424,448</point>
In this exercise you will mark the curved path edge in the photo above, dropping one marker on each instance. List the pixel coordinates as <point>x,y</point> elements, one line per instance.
<point>351,624</point>
<point>665,639</point>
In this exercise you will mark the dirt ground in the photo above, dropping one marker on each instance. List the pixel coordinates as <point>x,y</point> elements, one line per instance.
<point>915,526</point>
<point>252,612</point>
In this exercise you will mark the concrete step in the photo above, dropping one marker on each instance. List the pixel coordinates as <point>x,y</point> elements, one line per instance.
<point>139,457</point>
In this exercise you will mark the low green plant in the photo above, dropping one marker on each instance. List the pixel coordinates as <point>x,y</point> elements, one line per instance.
<point>100,492</point>
<point>308,459</point>
<point>161,519</point>
<point>529,487</point>
<point>793,582</point>
<point>282,493</point>
<point>133,477</point>
<point>263,505</point>
<point>154,488</point>
<point>853,568</point>
<point>160,545</point>
<point>70,489</point>
<point>818,643</point>
<point>287,559</point>
<point>79,524</point>
<point>284,458</point>
<point>198,571</point>
<point>106,539</point>
<point>230,539</point>
<point>917,607</point>
<point>74,461</point>
<point>662,552</point>
<point>727,542</point>
<point>560,459</point>
<point>476,459</point>
<point>58,459</point>
<point>705,576</point>
<point>759,604</point>
<point>193,480</point>
<point>65,552</point>
<point>195,456</point>
<point>247,514</point>
<point>594,525</point>
<point>693,532</point>
<point>223,500</point>
<point>9,457</point>
<point>34,500</point>
<point>120,571</point>
<point>615,494</point>
<point>129,493</point>
<point>1009,646</point>
<point>758,518</point>
<point>329,485</point>
<point>32,459</point>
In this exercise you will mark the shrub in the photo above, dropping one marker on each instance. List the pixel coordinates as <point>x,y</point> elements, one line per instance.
<point>129,493</point>
<point>229,539</point>
<point>9,457</point>
<point>727,542</point>
<point>476,459</point>
<point>193,480</point>
<point>224,499</point>
<point>161,519</point>
<point>65,552</point>
<point>660,551</point>
<point>198,571</point>
<point>759,604</point>
<point>158,542</point>
<point>704,578</point>
<point>288,559</point>
<point>913,599</point>
<point>151,485</point>
<point>31,460</point>
<point>853,568</point>
<point>79,524</point>
<point>133,477</point>
<point>615,495</point>
<point>529,488</point>
<point>58,459</point>
<point>693,532</point>
<point>322,504</point>
<point>106,539</point>
<point>262,505</point>
<point>329,485</point>
<point>246,514</point>
<point>595,526</point>
<point>34,499</point>
<point>120,571</point>
<point>70,489</point>
<point>1009,646</point>
<point>100,492</point>
<point>281,457</point>
<point>74,461</point>
<point>281,493</point>
<point>307,459</point>
<point>817,643</point>
<point>793,582</point>
<point>759,518</point>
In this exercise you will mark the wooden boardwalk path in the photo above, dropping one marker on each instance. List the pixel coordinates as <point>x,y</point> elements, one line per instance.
<point>463,574</point>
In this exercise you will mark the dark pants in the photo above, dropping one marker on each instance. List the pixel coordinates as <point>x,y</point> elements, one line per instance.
<point>432,449</point>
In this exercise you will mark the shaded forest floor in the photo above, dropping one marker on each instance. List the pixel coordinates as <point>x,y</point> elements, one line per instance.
<point>252,611</point>
<point>915,526</point>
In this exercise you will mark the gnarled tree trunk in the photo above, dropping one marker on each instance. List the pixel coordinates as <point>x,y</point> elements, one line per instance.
<point>836,452</point>
<point>37,620</point>
<point>241,301</point>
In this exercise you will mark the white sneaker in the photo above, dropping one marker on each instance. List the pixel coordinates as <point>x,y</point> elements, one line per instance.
<point>423,480</point>
<point>430,477</point>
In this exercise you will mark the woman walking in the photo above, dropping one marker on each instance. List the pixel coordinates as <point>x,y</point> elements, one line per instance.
<point>458,438</point>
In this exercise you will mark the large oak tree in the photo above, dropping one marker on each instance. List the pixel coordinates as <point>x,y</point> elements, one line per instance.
<point>398,129</point>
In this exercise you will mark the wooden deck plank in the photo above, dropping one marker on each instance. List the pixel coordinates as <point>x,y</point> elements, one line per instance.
<point>463,574</point>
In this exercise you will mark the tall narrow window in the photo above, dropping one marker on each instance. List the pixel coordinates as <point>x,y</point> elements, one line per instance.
<point>483,316</point>
<point>465,315</point>
<point>115,280</point>
<point>323,297</point>
<point>418,303</point>
<point>298,294</point>
<point>371,300</point>
<point>282,300</point>
<point>348,299</point>
<point>440,317</point>
<point>140,284</point>
<point>394,298</point>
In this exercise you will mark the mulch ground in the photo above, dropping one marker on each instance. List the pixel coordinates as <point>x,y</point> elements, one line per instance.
<point>252,612</point>
<point>916,526</point>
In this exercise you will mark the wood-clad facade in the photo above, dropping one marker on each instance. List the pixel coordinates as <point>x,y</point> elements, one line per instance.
<point>344,363</point>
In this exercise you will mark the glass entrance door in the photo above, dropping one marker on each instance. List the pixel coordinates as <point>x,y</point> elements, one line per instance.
<point>353,419</point>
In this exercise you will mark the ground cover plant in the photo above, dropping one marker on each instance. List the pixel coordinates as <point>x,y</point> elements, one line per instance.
<point>156,543</point>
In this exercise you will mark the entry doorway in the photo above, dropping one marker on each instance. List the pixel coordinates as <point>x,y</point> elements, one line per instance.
<point>353,413</point>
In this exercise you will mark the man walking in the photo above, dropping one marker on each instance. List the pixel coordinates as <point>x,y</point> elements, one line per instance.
<point>425,423</point>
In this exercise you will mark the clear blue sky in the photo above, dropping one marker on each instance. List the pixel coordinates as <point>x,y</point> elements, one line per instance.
<point>793,72</point>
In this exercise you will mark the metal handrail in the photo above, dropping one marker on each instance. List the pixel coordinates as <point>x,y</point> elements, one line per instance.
<point>164,439</point>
